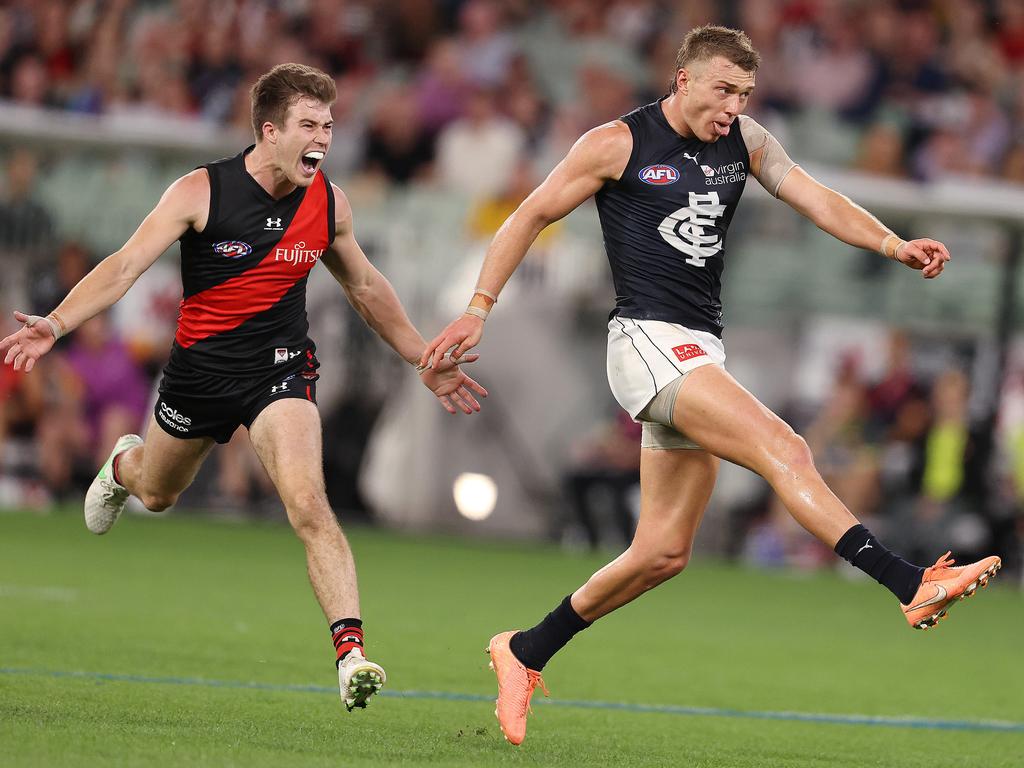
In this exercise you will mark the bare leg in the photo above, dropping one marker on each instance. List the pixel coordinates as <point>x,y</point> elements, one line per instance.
<point>161,468</point>
<point>287,439</point>
<point>675,486</point>
<point>714,411</point>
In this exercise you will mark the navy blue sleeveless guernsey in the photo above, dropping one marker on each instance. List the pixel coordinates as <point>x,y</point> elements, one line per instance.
<point>665,221</point>
<point>243,313</point>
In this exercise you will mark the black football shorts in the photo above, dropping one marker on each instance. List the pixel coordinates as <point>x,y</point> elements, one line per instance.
<point>184,415</point>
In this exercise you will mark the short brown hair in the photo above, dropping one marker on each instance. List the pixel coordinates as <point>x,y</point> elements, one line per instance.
<point>281,87</point>
<point>704,43</point>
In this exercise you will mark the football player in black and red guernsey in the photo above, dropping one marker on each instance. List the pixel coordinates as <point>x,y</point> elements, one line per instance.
<point>251,228</point>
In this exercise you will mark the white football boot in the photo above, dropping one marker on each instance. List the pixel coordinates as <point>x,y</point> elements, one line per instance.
<point>359,679</point>
<point>106,498</point>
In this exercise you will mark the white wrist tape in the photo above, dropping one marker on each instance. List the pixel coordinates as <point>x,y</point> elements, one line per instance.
<point>477,312</point>
<point>55,328</point>
<point>884,247</point>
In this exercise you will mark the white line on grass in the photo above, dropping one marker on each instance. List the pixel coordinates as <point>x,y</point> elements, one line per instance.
<point>55,594</point>
<point>1005,726</point>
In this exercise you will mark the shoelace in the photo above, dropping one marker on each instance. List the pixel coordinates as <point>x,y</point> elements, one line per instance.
<point>534,679</point>
<point>112,495</point>
<point>946,561</point>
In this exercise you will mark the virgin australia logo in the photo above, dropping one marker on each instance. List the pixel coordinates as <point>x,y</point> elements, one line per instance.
<point>298,254</point>
<point>724,174</point>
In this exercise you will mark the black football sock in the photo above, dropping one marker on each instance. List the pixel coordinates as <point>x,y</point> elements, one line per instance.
<point>862,550</point>
<point>347,635</point>
<point>535,647</point>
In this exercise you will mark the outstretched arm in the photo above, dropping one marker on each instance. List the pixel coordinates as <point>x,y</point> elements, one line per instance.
<point>847,221</point>
<point>184,204</point>
<point>374,298</point>
<point>598,156</point>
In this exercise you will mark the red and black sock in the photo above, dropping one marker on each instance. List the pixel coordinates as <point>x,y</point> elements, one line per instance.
<point>348,635</point>
<point>113,468</point>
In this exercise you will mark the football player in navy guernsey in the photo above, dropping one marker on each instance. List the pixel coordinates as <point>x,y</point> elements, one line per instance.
<point>667,178</point>
<point>251,228</point>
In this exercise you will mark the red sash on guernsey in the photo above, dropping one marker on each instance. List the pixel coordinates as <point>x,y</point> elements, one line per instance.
<point>227,305</point>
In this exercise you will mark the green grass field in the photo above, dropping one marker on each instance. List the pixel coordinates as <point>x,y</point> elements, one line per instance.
<point>185,641</point>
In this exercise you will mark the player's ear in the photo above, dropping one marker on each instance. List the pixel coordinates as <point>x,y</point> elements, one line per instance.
<point>270,132</point>
<point>683,78</point>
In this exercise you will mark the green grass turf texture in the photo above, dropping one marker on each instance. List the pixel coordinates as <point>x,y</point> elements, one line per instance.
<point>187,597</point>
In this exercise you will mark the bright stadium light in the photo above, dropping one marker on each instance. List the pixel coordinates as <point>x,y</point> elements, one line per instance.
<point>475,495</point>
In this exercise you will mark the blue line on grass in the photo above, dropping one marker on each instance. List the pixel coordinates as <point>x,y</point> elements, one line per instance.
<point>663,709</point>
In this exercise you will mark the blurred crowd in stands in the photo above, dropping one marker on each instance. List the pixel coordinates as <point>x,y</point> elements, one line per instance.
<point>436,90</point>
<point>928,87</point>
<point>908,455</point>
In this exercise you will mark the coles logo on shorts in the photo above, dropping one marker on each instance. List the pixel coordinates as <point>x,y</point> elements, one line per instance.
<point>686,352</point>
<point>172,418</point>
<point>659,175</point>
<point>232,249</point>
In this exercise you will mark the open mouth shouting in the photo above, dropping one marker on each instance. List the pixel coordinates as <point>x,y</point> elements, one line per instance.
<point>311,161</point>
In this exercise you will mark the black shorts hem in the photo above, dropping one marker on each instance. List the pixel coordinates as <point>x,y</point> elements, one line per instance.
<point>298,387</point>
<point>187,417</point>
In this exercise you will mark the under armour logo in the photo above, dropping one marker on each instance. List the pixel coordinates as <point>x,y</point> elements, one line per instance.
<point>282,387</point>
<point>867,545</point>
<point>273,223</point>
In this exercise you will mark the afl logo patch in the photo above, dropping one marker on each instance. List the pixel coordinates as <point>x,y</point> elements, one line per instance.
<point>232,249</point>
<point>659,175</point>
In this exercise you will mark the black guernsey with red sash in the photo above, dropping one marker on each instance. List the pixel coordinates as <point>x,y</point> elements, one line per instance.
<point>242,320</point>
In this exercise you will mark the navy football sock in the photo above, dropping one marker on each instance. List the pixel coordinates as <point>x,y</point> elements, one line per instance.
<point>862,550</point>
<point>535,647</point>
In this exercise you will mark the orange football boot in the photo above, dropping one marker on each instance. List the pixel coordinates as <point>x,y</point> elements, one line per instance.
<point>942,585</point>
<point>515,688</point>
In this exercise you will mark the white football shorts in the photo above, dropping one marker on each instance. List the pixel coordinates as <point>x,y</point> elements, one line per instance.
<point>645,357</point>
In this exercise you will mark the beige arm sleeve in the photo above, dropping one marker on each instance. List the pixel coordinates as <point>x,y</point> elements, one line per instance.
<point>775,163</point>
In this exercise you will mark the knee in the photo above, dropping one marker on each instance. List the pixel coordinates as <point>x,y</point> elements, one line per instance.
<point>789,454</point>
<point>662,565</point>
<point>310,515</point>
<point>157,502</point>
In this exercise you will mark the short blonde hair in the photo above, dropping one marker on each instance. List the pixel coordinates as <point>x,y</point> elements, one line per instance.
<point>704,43</point>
